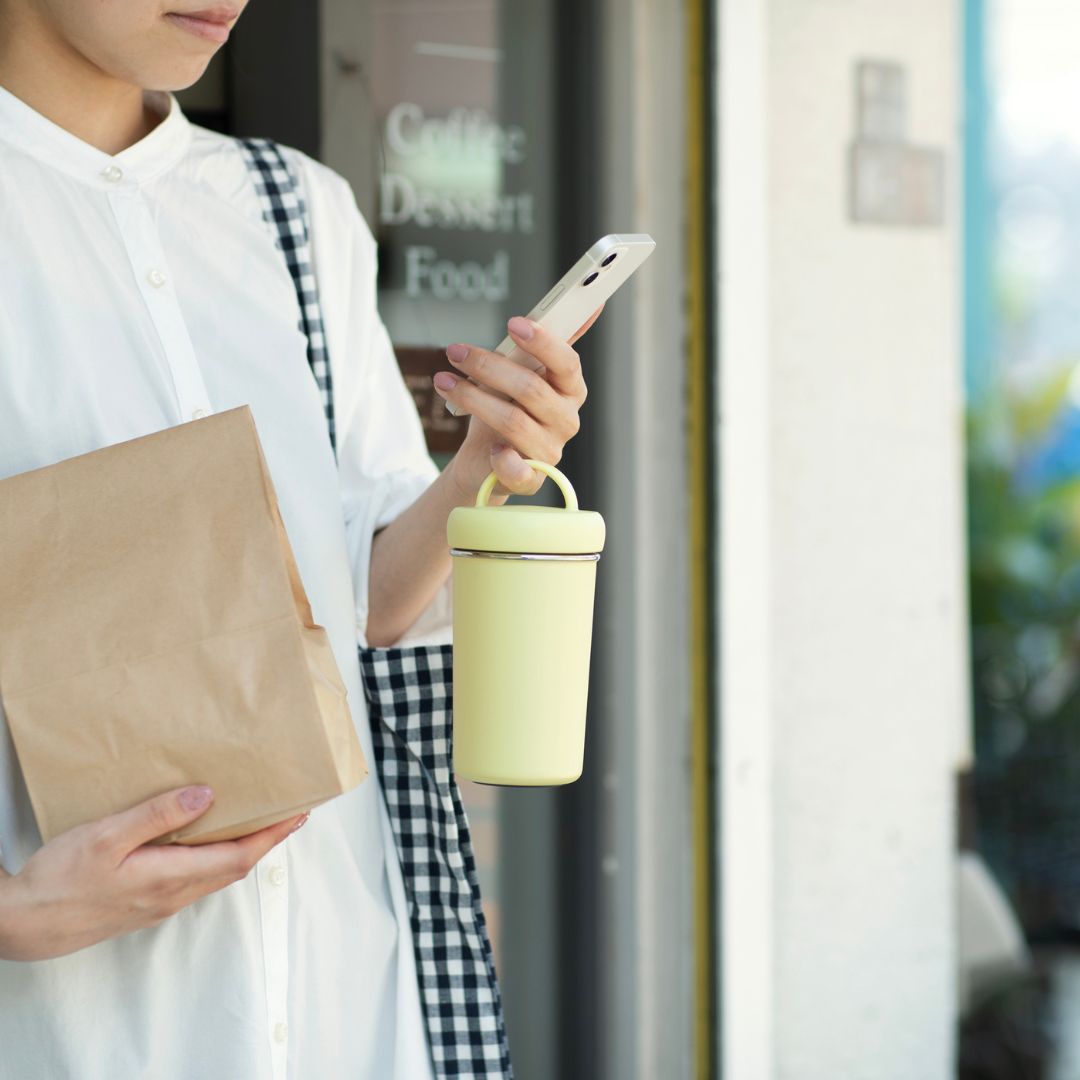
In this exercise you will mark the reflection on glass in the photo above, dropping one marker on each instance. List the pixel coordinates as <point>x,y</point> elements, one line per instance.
<point>458,186</point>
<point>462,216</point>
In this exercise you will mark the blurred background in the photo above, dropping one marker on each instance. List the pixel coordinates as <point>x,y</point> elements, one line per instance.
<point>829,825</point>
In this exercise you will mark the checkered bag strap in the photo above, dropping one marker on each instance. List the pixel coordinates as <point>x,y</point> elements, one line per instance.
<point>409,691</point>
<point>410,697</point>
<point>283,209</point>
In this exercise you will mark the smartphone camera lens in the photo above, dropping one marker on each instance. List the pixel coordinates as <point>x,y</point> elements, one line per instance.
<point>610,259</point>
<point>591,278</point>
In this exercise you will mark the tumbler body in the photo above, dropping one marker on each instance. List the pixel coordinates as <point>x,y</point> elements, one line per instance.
<point>524,588</point>
<point>522,642</point>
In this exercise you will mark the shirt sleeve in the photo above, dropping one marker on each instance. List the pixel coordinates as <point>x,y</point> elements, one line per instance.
<point>383,461</point>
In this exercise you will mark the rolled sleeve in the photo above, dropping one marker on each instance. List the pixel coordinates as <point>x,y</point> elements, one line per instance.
<point>385,467</point>
<point>383,461</point>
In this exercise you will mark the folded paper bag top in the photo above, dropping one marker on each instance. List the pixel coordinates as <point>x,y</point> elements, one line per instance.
<point>156,633</point>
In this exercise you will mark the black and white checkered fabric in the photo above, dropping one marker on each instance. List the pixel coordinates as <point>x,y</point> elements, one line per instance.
<point>409,692</point>
<point>283,208</point>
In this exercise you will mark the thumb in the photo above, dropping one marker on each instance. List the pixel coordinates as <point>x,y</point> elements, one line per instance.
<point>514,475</point>
<point>157,816</point>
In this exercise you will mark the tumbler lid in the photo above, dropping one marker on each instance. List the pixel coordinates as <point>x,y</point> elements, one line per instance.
<point>542,530</point>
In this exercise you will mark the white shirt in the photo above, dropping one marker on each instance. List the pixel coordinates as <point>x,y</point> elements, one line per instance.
<point>138,291</point>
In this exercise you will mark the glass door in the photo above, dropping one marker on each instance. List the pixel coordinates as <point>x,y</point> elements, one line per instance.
<point>488,143</point>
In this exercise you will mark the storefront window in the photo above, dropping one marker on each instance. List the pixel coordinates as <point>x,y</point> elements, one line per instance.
<point>463,216</point>
<point>443,119</point>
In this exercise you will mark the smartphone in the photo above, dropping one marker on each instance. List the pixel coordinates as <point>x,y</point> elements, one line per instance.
<point>580,291</point>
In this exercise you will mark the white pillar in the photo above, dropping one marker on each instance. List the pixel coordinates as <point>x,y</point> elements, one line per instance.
<point>844,662</point>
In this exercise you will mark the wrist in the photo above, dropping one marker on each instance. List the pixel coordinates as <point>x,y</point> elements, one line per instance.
<point>468,475</point>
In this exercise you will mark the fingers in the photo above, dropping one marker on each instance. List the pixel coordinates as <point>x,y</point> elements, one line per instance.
<point>123,832</point>
<point>164,878</point>
<point>507,418</point>
<point>521,479</point>
<point>552,393</point>
<point>592,318</point>
<point>221,862</point>
<point>532,391</point>
<point>562,362</point>
<point>257,844</point>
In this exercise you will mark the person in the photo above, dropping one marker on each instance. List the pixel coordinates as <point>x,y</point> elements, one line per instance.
<point>141,289</point>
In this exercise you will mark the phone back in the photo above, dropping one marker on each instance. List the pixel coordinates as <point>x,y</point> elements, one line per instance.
<point>590,282</point>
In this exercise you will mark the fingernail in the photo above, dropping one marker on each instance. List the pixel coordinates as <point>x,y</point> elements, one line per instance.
<point>457,353</point>
<point>521,327</point>
<point>497,448</point>
<point>445,381</point>
<point>195,798</point>
<point>302,821</point>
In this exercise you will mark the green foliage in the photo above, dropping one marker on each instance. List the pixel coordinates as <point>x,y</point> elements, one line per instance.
<point>1024,546</point>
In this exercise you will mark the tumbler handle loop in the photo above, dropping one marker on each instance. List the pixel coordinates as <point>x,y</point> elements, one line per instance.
<point>565,486</point>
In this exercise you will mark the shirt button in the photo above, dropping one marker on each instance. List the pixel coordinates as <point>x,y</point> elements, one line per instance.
<point>156,278</point>
<point>277,875</point>
<point>112,173</point>
<point>281,1032</point>
<point>198,414</point>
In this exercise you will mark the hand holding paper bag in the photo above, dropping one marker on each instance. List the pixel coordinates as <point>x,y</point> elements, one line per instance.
<point>156,634</point>
<point>106,878</point>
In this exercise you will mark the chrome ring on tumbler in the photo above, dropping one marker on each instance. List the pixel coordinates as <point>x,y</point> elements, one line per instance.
<point>462,553</point>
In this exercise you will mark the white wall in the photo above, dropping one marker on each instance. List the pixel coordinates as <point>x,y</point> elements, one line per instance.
<point>843,599</point>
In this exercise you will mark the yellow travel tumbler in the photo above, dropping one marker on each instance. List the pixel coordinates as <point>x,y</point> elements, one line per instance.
<point>524,585</point>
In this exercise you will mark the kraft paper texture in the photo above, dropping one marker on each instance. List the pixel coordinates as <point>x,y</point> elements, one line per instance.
<point>156,633</point>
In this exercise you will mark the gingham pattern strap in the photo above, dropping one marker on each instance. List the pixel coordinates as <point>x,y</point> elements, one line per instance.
<point>409,691</point>
<point>283,209</point>
<point>410,698</point>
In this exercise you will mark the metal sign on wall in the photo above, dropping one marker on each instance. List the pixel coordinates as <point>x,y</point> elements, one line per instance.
<point>891,181</point>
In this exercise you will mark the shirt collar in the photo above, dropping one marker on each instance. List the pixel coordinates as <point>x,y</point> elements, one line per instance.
<point>29,131</point>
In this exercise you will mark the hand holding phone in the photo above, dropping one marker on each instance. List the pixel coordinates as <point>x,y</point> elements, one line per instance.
<point>579,293</point>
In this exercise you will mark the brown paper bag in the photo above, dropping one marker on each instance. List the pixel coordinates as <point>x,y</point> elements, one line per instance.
<point>154,632</point>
